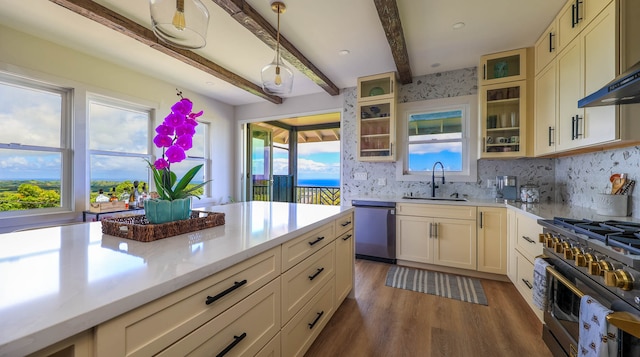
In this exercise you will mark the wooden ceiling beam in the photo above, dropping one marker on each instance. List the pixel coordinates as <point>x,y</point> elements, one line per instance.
<point>260,27</point>
<point>390,19</point>
<point>117,22</point>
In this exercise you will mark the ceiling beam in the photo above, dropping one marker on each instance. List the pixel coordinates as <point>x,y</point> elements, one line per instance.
<point>260,27</point>
<point>390,19</point>
<point>117,22</point>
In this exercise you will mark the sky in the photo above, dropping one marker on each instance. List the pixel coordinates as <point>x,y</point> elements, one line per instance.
<point>315,161</point>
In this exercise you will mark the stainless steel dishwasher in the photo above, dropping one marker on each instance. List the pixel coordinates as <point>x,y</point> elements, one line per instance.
<point>375,230</point>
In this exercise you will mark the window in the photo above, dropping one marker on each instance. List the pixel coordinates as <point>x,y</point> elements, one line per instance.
<point>438,130</point>
<point>118,145</point>
<point>34,153</point>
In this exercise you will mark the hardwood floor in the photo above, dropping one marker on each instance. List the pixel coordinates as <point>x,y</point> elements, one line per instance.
<point>385,321</point>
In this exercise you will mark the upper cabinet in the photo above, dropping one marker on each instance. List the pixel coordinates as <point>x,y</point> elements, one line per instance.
<point>503,67</point>
<point>376,112</point>
<point>546,47</point>
<point>505,104</point>
<point>588,58</point>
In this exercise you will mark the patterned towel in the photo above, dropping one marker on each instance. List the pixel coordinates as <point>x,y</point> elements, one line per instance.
<point>540,283</point>
<point>597,337</point>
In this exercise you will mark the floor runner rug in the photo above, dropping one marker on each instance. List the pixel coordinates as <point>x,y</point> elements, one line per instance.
<point>435,283</point>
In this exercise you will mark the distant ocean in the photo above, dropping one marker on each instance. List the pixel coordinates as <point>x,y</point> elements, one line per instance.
<point>319,182</point>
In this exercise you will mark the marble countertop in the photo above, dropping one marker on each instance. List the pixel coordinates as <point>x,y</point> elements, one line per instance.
<point>57,282</point>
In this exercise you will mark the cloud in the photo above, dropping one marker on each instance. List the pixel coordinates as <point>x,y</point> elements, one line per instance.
<point>419,149</point>
<point>318,148</point>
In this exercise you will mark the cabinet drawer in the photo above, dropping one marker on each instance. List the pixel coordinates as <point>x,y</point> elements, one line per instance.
<point>242,330</point>
<point>272,349</point>
<point>437,211</point>
<point>305,326</point>
<point>304,280</point>
<point>146,331</point>
<point>296,250</point>
<point>343,224</point>
<point>527,239</point>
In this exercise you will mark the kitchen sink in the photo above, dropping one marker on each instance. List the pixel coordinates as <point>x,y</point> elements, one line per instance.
<point>451,199</point>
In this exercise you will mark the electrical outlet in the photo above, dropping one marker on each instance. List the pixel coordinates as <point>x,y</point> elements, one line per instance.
<point>382,181</point>
<point>360,176</point>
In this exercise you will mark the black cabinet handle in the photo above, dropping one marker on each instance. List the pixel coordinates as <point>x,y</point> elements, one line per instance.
<point>320,270</point>
<point>551,48</point>
<point>316,241</point>
<point>316,320</point>
<point>212,299</point>
<point>484,71</point>
<point>578,18</point>
<point>480,220</point>
<point>573,16</point>
<point>527,283</point>
<point>551,130</point>
<point>236,340</point>
<point>347,237</point>
<point>528,239</point>
<point>578,118</point>
<point>346,223</point>
<point>573,128</point>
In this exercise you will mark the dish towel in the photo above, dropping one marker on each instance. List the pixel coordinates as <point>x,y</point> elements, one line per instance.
<point>597,337</point>
<point>540,283</point>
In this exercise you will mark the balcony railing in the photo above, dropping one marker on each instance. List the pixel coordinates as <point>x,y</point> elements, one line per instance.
<point>298,194</point>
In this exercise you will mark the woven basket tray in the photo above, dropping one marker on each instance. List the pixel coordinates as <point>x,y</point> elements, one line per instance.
<point>138,228</point>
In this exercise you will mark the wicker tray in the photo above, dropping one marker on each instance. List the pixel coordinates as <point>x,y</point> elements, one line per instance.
<point>138,228</point>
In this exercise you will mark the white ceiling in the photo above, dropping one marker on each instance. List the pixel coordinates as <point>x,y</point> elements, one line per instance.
<point>318,28</point>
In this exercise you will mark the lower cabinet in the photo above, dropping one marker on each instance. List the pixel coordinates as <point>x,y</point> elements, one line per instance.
<point>492,240</point>
<point>273,304</point>
<point>524,247</point>
<point>432,234</point>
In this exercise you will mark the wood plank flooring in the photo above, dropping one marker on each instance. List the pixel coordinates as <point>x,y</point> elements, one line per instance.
<point>384,321</point>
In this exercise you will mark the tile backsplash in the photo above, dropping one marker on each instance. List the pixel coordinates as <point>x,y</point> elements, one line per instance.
<point>575,180</point>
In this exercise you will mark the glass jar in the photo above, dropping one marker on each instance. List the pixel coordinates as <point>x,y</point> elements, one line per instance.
<point>529,193</point>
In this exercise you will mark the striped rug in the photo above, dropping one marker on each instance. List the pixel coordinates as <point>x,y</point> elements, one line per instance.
<point>441,284</point>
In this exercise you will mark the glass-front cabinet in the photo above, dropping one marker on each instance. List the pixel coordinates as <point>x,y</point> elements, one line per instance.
<point>503,120</point>
<point>503,67</point>
<point>376,117</point>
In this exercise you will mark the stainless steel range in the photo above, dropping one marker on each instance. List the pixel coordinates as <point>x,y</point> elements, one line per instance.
<point>599,259</point>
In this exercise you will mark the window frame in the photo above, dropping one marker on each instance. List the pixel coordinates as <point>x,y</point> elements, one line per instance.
<point>65,147</point>
<point>469,106</point>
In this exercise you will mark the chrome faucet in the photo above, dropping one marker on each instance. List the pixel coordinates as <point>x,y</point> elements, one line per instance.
<point>433,178</point>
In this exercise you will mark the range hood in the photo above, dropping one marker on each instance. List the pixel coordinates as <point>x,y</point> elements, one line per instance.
<point>625,89</point>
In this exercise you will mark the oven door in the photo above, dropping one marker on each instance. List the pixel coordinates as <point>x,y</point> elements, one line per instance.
<point>565,290</point>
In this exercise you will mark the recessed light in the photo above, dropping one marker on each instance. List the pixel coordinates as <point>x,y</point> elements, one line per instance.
<point>458,25</point>
<point>344,52</point>
<point>209,83</point>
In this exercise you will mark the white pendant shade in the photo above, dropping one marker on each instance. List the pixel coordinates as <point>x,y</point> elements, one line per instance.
<point>181,23</point>
<point>277,78</point>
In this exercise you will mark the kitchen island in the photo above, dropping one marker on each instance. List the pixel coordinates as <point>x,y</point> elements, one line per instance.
<point>62,281</point>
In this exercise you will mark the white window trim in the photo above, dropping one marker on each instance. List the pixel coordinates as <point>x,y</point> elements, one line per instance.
<point>469,141</point>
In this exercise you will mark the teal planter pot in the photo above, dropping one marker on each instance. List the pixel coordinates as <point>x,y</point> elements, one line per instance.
<point>161,211</point>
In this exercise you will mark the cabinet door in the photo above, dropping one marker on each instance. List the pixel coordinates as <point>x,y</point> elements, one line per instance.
<point>546,48</point>
<point>377,87</point>
<point>570,90</point>
<point>504,120</point>
<point>570,23</point>
<point>413,238</point>
<point>492,240</point>
<point>545,110</point>
<point>599,48</point>
<point>376,131</point>
<point>455,243</point>
<point>345,256</point>
<point>503,67</point>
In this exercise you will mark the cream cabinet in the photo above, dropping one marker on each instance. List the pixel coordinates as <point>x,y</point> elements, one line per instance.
<point>546,48</point>
<point>590,56</point>
<point>80,345</point>
<point>524,247</point>
<point>273,304</point>
<point>492,240</point>
<point>506,101</point>
<point>376,122</point>
<point>437,234</point>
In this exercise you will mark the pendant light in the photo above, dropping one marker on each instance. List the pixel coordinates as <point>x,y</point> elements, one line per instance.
<point>180,23</point>
<point>277,78</point>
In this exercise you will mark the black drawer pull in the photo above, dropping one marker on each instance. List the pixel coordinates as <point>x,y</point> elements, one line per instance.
<point>346,223</point>
<point>212,299</point>
<point>527,283</point>
<point>311,277</point>
<point>236,340</point>
<point>528,239</point>
<point>316,320</point>
<point>316,241</point>
<point>347,237</point>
